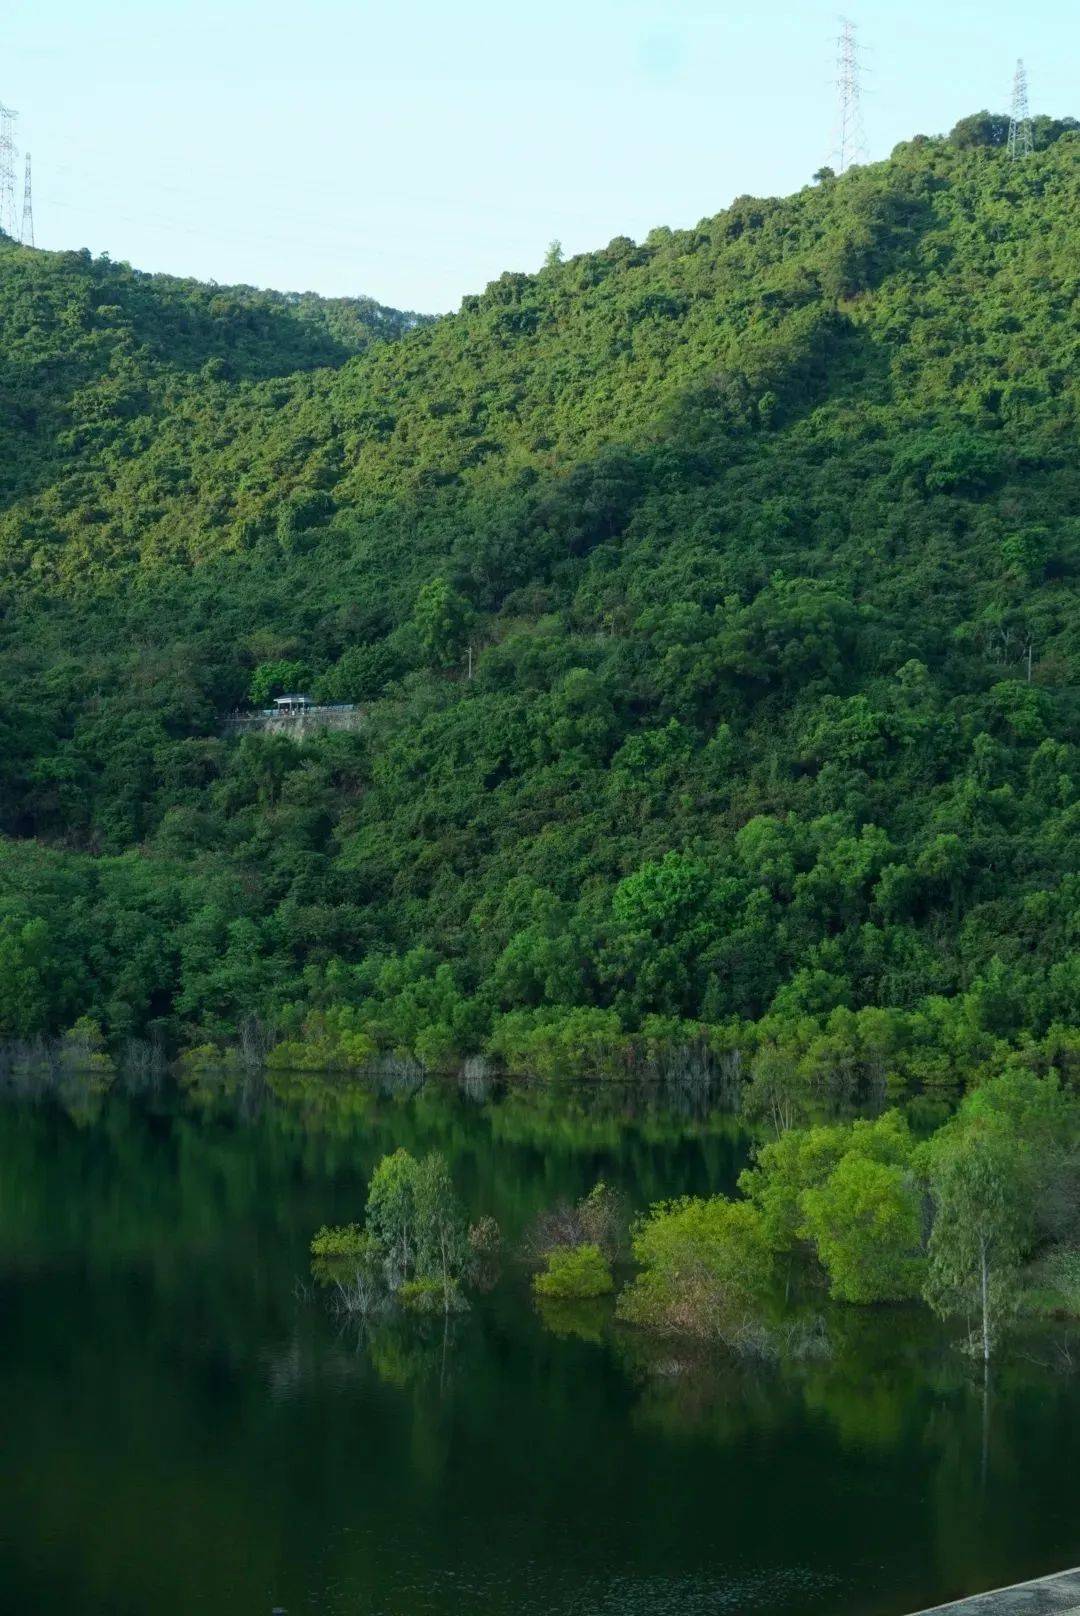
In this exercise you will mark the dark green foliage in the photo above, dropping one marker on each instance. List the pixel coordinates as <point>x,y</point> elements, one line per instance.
<point>759,541</point>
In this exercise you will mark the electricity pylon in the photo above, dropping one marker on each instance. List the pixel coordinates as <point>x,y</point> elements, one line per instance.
<point>1021,141</point>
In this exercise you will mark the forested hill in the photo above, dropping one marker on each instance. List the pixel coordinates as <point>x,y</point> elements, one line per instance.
<point>93,354</point>
<point>761,541</point>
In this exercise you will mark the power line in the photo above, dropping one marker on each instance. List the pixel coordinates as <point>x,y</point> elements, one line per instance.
<point>1021,141</point>
<point>850,137</point>
<point>26,234</point>
<point>9,224</point>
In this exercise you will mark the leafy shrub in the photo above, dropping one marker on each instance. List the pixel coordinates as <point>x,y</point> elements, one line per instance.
<point>707,1268</point>
<point>574,1273</point>
<point>428,1294</point>
<point>345,1240</point>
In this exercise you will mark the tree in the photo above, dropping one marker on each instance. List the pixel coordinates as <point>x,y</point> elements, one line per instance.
<point>980,129</point>
<point>981,1188</point>
<point>574,1273</point>
<point>442,618</point>
<point>279,678</point>
<point>442,1241</point>
<point>798,1159</point>
<point>779,1090</point>
<point>391,1214</point>
<point>553,258</point>
<point>865,1223</point>
<point>707,1267</point>
<point>24,971</point>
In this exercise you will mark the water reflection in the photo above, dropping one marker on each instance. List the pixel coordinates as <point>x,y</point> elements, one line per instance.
<point>189,1427</point>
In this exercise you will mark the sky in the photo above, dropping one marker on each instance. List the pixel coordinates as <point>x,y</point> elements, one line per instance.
<point>413,151</point>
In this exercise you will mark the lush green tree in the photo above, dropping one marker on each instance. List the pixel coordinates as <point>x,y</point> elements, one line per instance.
<point>442,618</point>
<point>442,1243</point>
<point>981,129</point>
<point>706,1269</point>
<point>982,1190</point>
<point>280,678</point>
<point>574,1273</point>
<point>865,1223</point>
<point>391,1214</point>
<point>800,1159</point>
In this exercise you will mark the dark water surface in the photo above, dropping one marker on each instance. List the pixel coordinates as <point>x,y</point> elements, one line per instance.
<point>187,1428</point>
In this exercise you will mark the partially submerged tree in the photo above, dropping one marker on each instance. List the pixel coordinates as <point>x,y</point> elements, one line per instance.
<point>442,1242</point>
<point>574,1273</point>
<point>391,1213</point>
<point>851,1193</point>
<point>866,1226</point>
<point>981,1186</point>
<point>600,1218</point>
<point>415,1236</point>
<point>707,1267</point>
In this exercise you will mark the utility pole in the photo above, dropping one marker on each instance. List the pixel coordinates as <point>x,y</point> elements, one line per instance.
<point>850,135</point>
<point>1021,142</point>
<point>26,234</point>
<point>9,224</point>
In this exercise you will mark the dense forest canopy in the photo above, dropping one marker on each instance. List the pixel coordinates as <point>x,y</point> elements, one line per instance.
<point>711,602</point>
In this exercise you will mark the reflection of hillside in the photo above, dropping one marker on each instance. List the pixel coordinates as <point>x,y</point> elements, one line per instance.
<point>604,1116</point>
<point>183,1397</point>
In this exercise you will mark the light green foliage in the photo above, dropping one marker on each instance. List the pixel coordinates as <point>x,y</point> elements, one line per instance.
<point>707,1267</point>
<point>415,1221</point>
<point>553,1042</point>
<point>982,1185</point>
<point>328,1042</point>
<point>349,1260</point>
<point>347,1240</point>
<point>574,1273</point>
<point>865,1224</point>
<point>442,618</point>
<point>799,1160</point>
<point>82,1048</point>
<point>430,1294</point>
<point>852,1193</point>
<point>391,1214</point>
<point>442,1241</point>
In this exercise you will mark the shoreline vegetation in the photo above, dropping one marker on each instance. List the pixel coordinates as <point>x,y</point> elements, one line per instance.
<point>785,1065</point>
<point>978,1218</point>
<point>971,1207</point>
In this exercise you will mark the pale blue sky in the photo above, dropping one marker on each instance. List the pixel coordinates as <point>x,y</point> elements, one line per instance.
<point>413,151</point>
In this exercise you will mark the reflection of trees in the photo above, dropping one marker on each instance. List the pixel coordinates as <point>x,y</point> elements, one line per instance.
<point>587,1320</point>
<point>985,1432</point>
<point>691,1390</point>
<point>160,1249</point>
<point>868,1390</point>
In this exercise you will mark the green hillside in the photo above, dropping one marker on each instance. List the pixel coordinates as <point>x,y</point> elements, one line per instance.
<point>761,542</point>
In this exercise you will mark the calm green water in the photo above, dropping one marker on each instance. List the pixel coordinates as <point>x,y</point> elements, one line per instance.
<point>185,1428</point>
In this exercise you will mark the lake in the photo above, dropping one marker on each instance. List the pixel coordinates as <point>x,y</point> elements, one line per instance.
<point>188,1427</point>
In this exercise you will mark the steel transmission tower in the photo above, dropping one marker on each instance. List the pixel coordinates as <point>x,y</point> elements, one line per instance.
<point>9,223</point>
<point>26,234</point>
<point>850,137</point>
<point>1021,143</point>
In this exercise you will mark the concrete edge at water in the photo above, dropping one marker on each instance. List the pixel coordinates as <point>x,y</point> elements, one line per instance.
<point>1058,1594</point>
